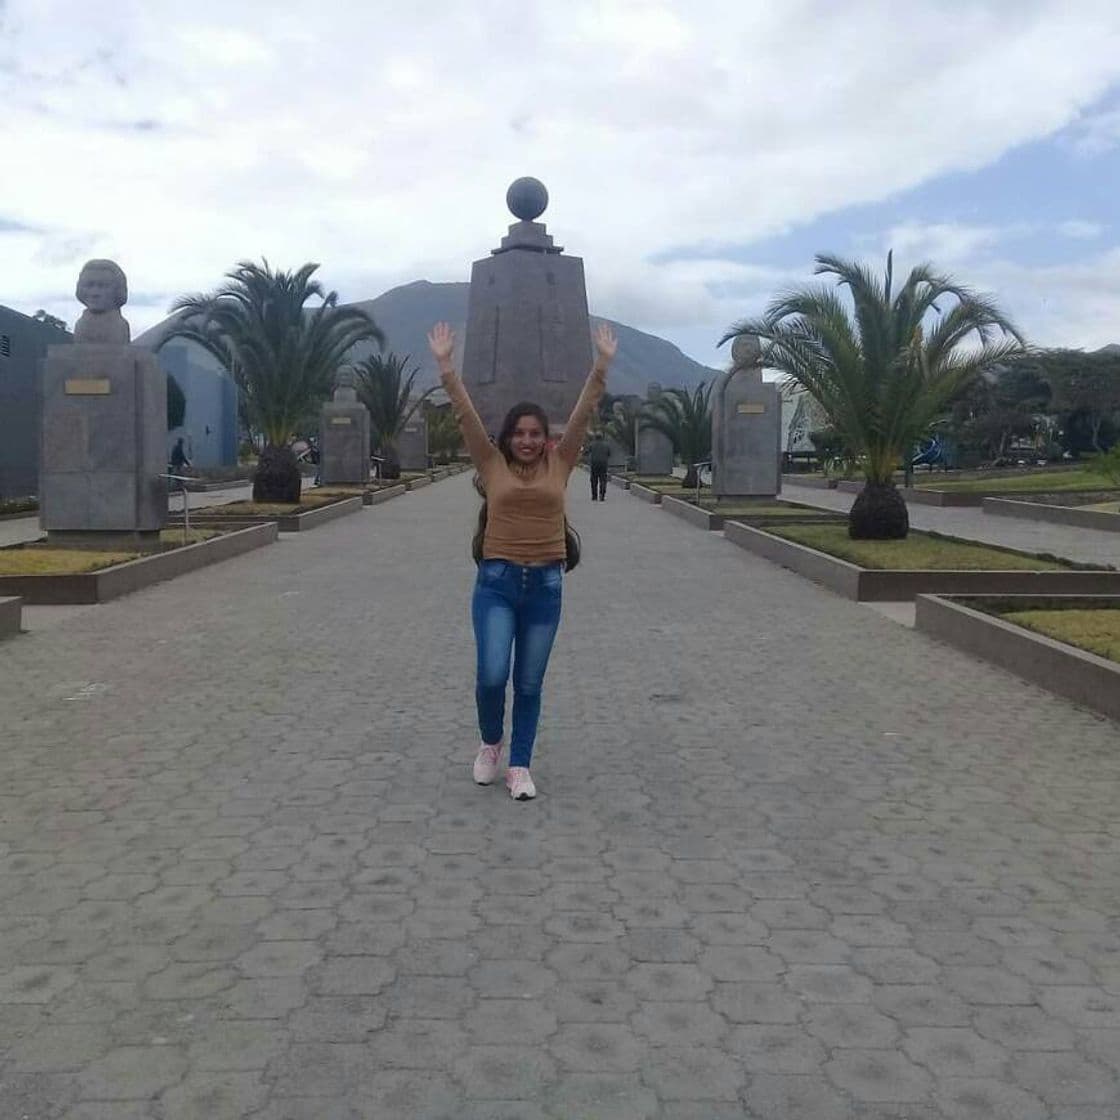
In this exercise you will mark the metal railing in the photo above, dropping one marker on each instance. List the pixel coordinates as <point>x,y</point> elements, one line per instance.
<point>698,468</point>
<point>182,479</point>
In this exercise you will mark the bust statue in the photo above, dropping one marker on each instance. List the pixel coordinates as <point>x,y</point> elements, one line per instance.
<point>344,385</point>
<point>103,289</point>
<point>746,352</point>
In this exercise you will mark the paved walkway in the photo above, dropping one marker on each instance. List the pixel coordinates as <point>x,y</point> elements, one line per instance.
<point>789,860</point>
<point>1089,546</point>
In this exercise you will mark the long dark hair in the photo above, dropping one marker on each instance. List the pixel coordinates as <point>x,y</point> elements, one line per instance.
<point>572,544</point>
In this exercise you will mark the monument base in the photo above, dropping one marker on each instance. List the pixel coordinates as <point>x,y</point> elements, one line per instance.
<point>344,442</point>
<point>104,441</point>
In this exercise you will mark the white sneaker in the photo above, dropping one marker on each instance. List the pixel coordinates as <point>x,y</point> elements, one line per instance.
<point>520,784</point>
<point>487,763</point>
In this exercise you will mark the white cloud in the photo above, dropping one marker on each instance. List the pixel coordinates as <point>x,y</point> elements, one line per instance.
<point>1079,230</point>
<point>947,243</point>
<point>379,141</point>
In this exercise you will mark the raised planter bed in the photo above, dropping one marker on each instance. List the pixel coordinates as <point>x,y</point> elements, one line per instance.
<point>713,519</point>
<point>385,494</point>
<point>902,585</point>
<point>418,483</point>
<point>207,517</point>
<point>619,481</point>
<point>202,486</point>
<point>947,499</point>
<point>122,579</point>
<point>645,493</point>
<point>972,624</point>
<point>11,617</point>
<point>374,495</point>
<point>1055,514</point>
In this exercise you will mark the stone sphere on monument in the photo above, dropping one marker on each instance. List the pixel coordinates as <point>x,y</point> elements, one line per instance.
<point>527,198</point>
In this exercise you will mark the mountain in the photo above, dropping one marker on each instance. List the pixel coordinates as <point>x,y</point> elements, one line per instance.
<point>407,313</point>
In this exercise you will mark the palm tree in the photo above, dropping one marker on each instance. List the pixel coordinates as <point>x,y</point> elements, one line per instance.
<point>622,425</point>
<point>884,369</point>
<point>444,439</point>
<point>687,420</point>
<point>386,390</point>
<point>283,356</point>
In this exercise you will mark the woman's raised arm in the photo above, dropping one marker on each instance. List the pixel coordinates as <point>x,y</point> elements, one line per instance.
<point>606,346</point>
<point>441,340</point>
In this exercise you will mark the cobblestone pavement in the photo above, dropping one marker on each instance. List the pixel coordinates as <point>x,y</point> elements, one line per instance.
<point>789,860</point>
<point>1089,546</point>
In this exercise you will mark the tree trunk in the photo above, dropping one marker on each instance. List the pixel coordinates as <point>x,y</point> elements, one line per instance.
<point>1096,419</point>
<point>277,477</point>
<point>691,478</point>
<point>878,514</point>
<point>391,462</point>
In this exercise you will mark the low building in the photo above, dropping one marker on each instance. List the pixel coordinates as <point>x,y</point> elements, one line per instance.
<point>209,428</point>
<point>23,345</point>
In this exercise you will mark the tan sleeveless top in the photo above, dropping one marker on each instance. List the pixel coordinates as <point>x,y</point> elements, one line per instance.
<point>525,507</point>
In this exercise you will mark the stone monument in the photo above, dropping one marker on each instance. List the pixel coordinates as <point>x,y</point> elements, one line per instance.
<point>746,427</point>
<point>344,436</point>
<point>412,443</point>
<point>103,438</point>
<point>103,290</point>
<point>528,334</point>
<point>655,449</point>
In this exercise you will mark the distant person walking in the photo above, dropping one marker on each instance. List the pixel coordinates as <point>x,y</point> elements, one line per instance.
<point>523,547</point>
<point>599,458</point>
<point>179,458</point>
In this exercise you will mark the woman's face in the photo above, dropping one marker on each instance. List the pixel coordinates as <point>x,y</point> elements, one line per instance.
<point>527,443</point>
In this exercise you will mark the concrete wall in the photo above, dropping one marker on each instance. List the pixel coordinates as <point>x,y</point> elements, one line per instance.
<point>23,344</point>
<point>209,428</point>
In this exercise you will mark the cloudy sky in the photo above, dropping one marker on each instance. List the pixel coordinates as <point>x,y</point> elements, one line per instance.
<point>698,153</point>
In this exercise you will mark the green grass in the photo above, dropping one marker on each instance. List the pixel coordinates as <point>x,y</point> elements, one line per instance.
<point>918,552</point>
<point>760,509</point>
<point>58,561</point>
<point>1096,630</point>
<point>311,499</point>
<point>19,505</point>
<point>42,560</point>
<point>1049,482</point>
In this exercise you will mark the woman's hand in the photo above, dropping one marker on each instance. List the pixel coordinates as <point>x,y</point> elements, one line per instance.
<point>441,339</point>
<point>606,345</point>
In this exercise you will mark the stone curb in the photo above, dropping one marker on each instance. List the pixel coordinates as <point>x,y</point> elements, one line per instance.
<point>291,523</point>
<point>122,579</point>
<point>694,515</point>
<point>11,616</point>
<point>376,497</point>
<point>714,522</point>
<point>1057,515</point>
<point>1080,676</point>
<point>645,493</point>
<point>868,585</point>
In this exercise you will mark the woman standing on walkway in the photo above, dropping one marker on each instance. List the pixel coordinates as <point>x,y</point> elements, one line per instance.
<point>523,555</point>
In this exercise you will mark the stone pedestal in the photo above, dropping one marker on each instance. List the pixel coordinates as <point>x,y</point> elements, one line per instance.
<point>528,332</point>
<point>412,444</point>
<point>103,446</point>
<point>655,452</point>
<point>344,440</point>
<point>746,429</point>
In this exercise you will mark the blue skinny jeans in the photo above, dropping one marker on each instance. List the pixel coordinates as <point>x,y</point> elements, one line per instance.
<point>516,611</point>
